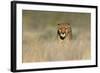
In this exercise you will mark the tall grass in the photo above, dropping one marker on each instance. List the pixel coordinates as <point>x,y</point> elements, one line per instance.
<point>40,38</point>
<point>38,47</point>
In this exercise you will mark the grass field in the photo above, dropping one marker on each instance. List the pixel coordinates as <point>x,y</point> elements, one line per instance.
<point>40,42</point>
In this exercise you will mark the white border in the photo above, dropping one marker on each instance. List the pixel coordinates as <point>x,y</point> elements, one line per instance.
<point>21,65</point>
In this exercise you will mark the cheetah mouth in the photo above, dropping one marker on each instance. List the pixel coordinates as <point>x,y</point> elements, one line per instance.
<point>62,36</point>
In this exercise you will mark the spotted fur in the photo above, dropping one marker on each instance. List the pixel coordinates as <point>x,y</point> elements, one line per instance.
<point>64,31</point>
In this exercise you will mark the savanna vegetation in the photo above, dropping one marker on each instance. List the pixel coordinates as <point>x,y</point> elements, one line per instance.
<point>40,36</point>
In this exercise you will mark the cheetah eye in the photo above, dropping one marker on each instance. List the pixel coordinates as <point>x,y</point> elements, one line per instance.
<point>66,28</point>
<point>59,30</point>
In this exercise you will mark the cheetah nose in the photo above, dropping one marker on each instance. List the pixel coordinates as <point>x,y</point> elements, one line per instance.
<point>63,33</point>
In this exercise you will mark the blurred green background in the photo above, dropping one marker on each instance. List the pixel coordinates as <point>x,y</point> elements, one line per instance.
<point>40,19</point>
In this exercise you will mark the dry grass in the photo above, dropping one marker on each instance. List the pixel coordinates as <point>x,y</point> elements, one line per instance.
<point>36,49</point>
<point>40,39</point>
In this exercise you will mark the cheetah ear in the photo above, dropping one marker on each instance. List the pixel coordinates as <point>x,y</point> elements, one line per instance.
<point>68,24</point>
